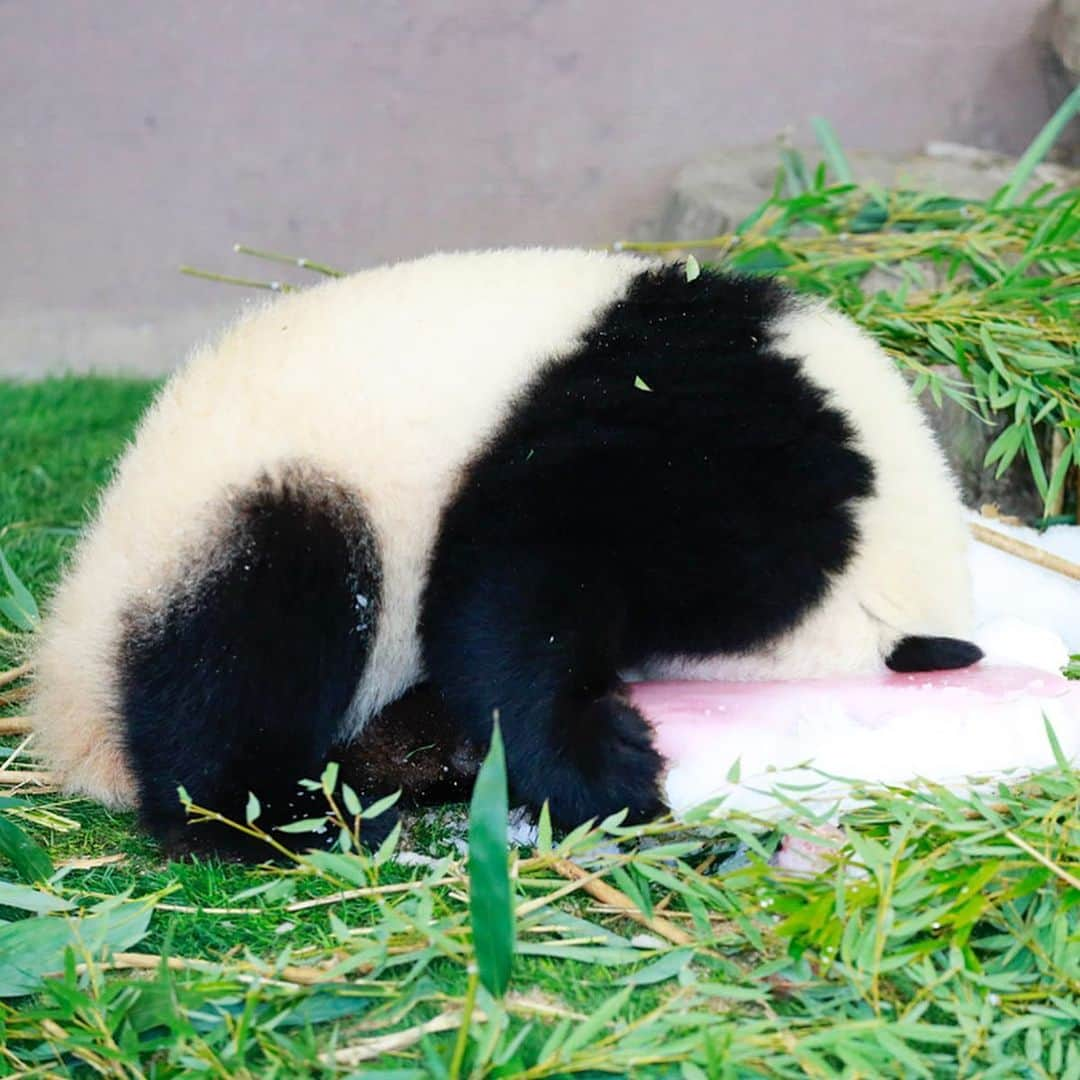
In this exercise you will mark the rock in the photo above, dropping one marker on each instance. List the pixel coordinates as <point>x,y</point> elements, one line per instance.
<point>1065,36</point>
<point>713,194</point>
<point>1061,33</point>
<point>965,438</point>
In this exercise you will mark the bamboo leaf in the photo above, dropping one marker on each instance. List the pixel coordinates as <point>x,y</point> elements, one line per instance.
<point>35,947</point>
<point>830,145</point>
<point>1039,148</point>
<point>316,824</point>
<point>667,967</point>
<point>491,911</point>
<point>380,806</point>
<point>351,800</point>
<point>585,1032</point>
<point>1061,472</point>
<point>24,898</point>
<point>29,859</point>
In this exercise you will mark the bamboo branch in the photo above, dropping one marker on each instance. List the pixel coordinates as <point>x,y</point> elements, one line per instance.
<point>14,697</point>
<point>359,894</point>
<point>289,260</point>
<point>1025,551</point>
<point>90,862</point>
<point>301,976</point>
<point>16,673</point>
<point>15,725</point>
<point>608,894</point>
<point>1070,879</point>
<point>26,776</point>
<point>230,279</point>
<point>375,1048</point>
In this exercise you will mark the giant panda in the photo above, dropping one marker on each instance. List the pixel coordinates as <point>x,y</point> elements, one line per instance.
<point>514,477</point>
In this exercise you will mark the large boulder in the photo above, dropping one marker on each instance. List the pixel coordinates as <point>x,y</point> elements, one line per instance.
<point>1061,28</point>
<point>711,195</point>
<point>1065,36</point>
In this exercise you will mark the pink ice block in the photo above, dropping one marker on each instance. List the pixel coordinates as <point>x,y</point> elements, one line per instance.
<point>941,726</point>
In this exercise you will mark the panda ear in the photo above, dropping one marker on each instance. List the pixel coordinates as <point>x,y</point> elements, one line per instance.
<point>933,654</point>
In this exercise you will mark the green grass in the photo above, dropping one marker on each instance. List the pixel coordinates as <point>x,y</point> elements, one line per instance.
<point>943,939</point>
<point>58,440</point>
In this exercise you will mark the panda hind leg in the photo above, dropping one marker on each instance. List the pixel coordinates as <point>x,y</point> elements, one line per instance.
<point>239,683</point>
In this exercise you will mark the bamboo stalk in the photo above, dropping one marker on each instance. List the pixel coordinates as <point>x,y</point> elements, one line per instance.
<point>608,894</point>
<point>91,862</point>
<point>381,1045</point>
<point>14,697</point>
<point>192,909</point>
<point>289,260</point>
<point>1025,551</point>
<point>230,279</point>
<point>301,976</point>
<point>26,776</point>
<point>15,725</point>
<point>307,905</point>
<point>358,894</point>
<point>16,673</point>
<point>1070,879</point>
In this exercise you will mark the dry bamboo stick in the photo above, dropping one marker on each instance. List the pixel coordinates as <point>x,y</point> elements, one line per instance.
<point>306,905</point>
<point>26,776</point>
<point>1025,551</point>
<point>12,697</point>
<point>1070,879</point>
<point>608,894</point>
<point>91,862</point>
<point>301,976</point>
<point>359,894</point>
<point>14,674</point>
<point>381,1045</point>
<point>15,725</point>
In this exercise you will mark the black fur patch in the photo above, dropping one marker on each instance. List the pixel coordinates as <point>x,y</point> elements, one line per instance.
<point>241,680</point>
<point>933,654</point>
<point>674,487</point>
<point>414,746</point>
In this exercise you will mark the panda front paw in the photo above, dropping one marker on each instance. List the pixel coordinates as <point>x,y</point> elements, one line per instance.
<point>607,762</point>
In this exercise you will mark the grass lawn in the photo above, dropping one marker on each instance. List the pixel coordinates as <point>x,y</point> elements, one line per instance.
<point>943,939</point>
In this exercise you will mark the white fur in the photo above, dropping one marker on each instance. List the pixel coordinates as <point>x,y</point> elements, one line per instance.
<point>388,380</point>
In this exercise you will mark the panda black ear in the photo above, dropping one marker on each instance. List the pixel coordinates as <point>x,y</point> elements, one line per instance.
<point>933,654</point>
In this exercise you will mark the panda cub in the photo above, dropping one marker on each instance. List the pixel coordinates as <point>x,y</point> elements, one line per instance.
<point>512,476</point>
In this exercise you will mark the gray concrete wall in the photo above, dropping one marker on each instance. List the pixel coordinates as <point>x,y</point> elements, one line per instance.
<point>140,134</point>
